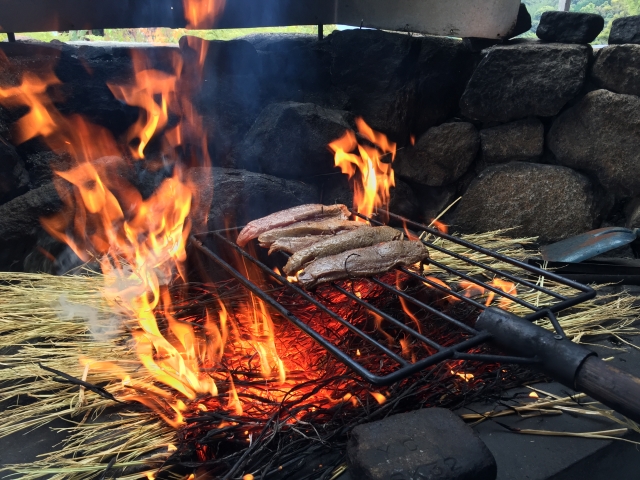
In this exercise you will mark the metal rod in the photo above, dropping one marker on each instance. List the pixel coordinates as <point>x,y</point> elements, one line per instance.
<point>11,37</point>
<point>389,318</point>
<point>404,368</point>
<point>512,261</point>
<point>313,301</point>
<point>426,307</point>
<point>320,31</point>
<point>487,286</point>
<point>335,351</point>
<point>474,262</point>
<point>442,289</point>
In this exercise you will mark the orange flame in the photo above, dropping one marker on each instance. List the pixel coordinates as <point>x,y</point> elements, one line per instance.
<point>141,243</point>
<point>373,162</point>
<point>380,398</point>
<point>441,227</point>
<point>202,13</point>
<point>465,376</point>
<point>471,290</point>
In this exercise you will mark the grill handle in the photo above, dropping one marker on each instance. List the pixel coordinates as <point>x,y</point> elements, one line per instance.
<point>571,364</point>
<point>611,386</point>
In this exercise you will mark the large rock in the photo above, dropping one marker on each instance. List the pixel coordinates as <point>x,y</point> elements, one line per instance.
<point>529,79</point>
<point>376,69</point>
<point>20,224</point>
<point>296,68</point>
<point>397,83</point>
<point>273,42</point>
<point>228,93</point>
<point>431,443</point>
<point>440,156</point>
<point>625,30</point>
<point>522,140</point>
<point>403,200</point>
<point>569,27</point>
<point>547,201</point>
<point>617,68</point>
<point>444,68</point>
<point>601,136</point>
<point>240,196</point>
<point>290,140</point>
<point>14,178</point>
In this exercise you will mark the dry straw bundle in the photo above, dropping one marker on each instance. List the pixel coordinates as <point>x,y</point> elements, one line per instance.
<point>55,321</point>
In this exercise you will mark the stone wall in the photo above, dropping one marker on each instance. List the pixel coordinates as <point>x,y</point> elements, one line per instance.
<point>542,136</point>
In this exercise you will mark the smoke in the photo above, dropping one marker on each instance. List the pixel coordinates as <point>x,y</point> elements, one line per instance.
<point>103,326</point>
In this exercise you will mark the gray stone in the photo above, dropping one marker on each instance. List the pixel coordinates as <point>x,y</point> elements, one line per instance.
<point>433,200</point>
<point>270,42</point>
<point>290,140</point>
<point>474,44</point>
<point>20,224</point>
<point>547,201</point>
<point>403,200</point>
<point>444,66</point>
<point>617,68</point>
<point>625,30</point>
<point>227,94</point>
<point>600,135</point>
<point>569,27</point>
<point>431,443</point>
<point>240,196</point>
<point>14,178</point>
<point>399,84</point>
<point>529,79</point>
<point>440,156</point>
<point>522,140</point>
<point>297,70</point>
<point>41,165</point>
<point>375,69</point>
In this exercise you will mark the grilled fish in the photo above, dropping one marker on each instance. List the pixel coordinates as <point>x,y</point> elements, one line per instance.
<point>363,262</point>
<point>302,229</point>
<point>290,216</point>
<point>362,237</point>
<point>295,244</point>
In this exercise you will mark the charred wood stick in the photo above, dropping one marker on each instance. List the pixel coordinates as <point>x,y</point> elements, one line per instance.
<point>76,381</point>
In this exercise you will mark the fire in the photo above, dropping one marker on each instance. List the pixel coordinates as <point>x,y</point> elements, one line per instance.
<point>202,13</point>
<point>471,290</point>
<point>465,376</point>
<point>140,243</point>
<point>372,163</point>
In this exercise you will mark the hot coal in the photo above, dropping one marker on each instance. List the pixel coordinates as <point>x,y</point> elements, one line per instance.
<point>217,441</point>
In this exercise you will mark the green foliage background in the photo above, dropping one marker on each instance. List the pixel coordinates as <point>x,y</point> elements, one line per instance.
<point>609,9</point>
<point>163,35</point>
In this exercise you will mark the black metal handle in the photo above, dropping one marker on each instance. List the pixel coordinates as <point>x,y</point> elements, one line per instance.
<point>611,386</point>
<point>569,363</point>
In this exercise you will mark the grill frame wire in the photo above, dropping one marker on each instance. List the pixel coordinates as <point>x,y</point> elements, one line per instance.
<point>406,368</point>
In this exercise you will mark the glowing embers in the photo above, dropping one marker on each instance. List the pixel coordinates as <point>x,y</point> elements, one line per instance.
<point>371,166</point>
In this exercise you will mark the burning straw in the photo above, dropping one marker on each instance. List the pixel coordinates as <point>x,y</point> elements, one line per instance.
<point>278,424</point>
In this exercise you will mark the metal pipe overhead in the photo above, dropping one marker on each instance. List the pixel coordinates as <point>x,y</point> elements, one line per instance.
<point>459,18</point>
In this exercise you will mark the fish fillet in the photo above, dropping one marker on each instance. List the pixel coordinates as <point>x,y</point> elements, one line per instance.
<point>294,244</point>
<point>302,229</point>
<point>363,262</point>
<point>290,216</point>
<point>362,237</point>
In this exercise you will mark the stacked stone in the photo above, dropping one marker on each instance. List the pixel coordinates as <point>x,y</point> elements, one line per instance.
<point>540,134</point>
<point>589,158</point>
